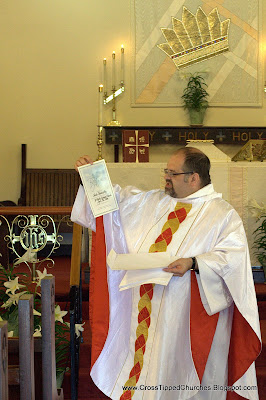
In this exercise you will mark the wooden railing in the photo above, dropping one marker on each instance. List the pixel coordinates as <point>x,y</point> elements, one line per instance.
<point>40,210</point>
<point>25,374</point>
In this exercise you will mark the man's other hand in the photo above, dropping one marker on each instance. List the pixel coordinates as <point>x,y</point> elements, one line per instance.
<point>180,266</point>
<point>83,161</point>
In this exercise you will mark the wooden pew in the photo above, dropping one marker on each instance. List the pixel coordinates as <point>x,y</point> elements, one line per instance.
<point>47,187</point>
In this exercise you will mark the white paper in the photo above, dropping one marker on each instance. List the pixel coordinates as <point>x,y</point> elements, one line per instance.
<point>135,278</point>
<point>138,261</point>
<point>141,268</point>
<point>98,188</point>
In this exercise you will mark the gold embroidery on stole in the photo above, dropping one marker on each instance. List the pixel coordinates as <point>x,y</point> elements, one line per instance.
<point>175,218</point>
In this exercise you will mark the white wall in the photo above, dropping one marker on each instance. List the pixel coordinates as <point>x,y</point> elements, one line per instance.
<point>51,64</point>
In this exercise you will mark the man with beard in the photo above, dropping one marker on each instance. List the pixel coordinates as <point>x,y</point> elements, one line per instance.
<point>197,337</point>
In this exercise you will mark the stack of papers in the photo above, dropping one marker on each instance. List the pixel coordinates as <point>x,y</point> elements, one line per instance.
<point>141,268</point>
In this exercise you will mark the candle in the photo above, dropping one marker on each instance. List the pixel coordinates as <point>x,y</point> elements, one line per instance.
<point>122,64</point>
<point>113,70</point>
<point>104,76</point>
<point>100,108</point>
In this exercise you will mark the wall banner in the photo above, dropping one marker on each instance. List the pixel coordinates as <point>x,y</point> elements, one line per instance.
<point>219,38</point>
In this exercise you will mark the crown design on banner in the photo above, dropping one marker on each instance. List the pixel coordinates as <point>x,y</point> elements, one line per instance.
<point>196,38</point>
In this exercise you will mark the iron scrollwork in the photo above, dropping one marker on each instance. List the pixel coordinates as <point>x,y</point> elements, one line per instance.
<point>30,234</point>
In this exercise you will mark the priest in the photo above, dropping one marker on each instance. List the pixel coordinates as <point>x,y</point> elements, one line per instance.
<point>196,338</point>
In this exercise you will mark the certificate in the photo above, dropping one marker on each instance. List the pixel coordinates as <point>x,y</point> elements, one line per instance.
<point>98,188</point>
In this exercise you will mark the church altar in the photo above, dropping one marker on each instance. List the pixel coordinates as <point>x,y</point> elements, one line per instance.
<point>239,182</point>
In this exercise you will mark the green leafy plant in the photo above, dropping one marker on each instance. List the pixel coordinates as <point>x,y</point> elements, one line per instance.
<point>259,212</point>
<point>195,94</point>
<point>260,242</point>
<point>13,285</point>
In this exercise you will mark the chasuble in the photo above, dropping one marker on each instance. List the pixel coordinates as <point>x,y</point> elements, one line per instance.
<point>197,337</point>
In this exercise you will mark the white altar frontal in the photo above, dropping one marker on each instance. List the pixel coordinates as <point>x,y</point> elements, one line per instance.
<point>239,182</point>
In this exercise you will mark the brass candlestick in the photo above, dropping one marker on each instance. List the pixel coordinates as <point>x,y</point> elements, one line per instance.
<point>114,121</point>
<point>100,142</point>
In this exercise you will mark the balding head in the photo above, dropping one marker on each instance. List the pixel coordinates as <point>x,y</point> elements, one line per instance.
<point>195,160</point>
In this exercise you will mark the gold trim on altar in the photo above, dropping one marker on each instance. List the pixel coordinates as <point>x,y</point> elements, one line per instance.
<point>253,150</point>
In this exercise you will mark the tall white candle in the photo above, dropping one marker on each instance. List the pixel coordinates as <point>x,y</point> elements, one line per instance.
<point>104,76</point>
<point>122,65</point>
<point>113,70</point>
<point>100,108</point>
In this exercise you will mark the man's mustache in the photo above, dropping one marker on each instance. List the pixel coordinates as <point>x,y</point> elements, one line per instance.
<point>168,181</point>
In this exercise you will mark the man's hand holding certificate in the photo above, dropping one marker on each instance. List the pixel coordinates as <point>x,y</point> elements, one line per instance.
<point>98,188</point>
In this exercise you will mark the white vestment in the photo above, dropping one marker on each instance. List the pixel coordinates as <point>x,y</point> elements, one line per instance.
<point>214,234</point>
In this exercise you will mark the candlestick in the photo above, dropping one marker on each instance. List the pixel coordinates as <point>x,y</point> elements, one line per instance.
<point>100,142</point>
<point>113,70</point>
<point>122,64</point>
<point>105,77</point>
<point>114,92</point>
<point>100,108</point>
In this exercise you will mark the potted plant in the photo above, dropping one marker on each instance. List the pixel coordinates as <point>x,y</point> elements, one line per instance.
<point>195,99</point>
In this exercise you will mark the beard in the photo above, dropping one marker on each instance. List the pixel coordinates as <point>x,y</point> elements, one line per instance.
<point>170,190</point>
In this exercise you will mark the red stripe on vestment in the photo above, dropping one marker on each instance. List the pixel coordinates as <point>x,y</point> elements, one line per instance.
<point>99,295</point>
<point>244,343</point>
<point>202,329</point>
<point>244,349</point>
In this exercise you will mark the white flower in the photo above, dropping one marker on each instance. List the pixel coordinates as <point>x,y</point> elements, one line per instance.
<point>38,332</point>
<point>79,328</point>
<point>256,209</point>
<point>59,314</point>
<point>35,312</point>
<point>255,213</point>
<point>10,334</point>
<point>42,275</point>
<point>12,285</point>
<point>13,299</point>
<point>254,204</point>
<point>29,256</point>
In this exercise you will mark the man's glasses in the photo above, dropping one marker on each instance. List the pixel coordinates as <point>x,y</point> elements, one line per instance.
<point>172,173</point>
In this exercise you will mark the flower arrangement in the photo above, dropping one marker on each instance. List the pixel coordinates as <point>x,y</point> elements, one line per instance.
<point>12,287</point>
<point>259,212</point>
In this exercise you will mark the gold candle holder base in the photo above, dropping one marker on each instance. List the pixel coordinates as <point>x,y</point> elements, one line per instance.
<point>114,123</point>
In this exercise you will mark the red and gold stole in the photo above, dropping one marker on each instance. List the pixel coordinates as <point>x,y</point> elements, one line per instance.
<point>175,218</point>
